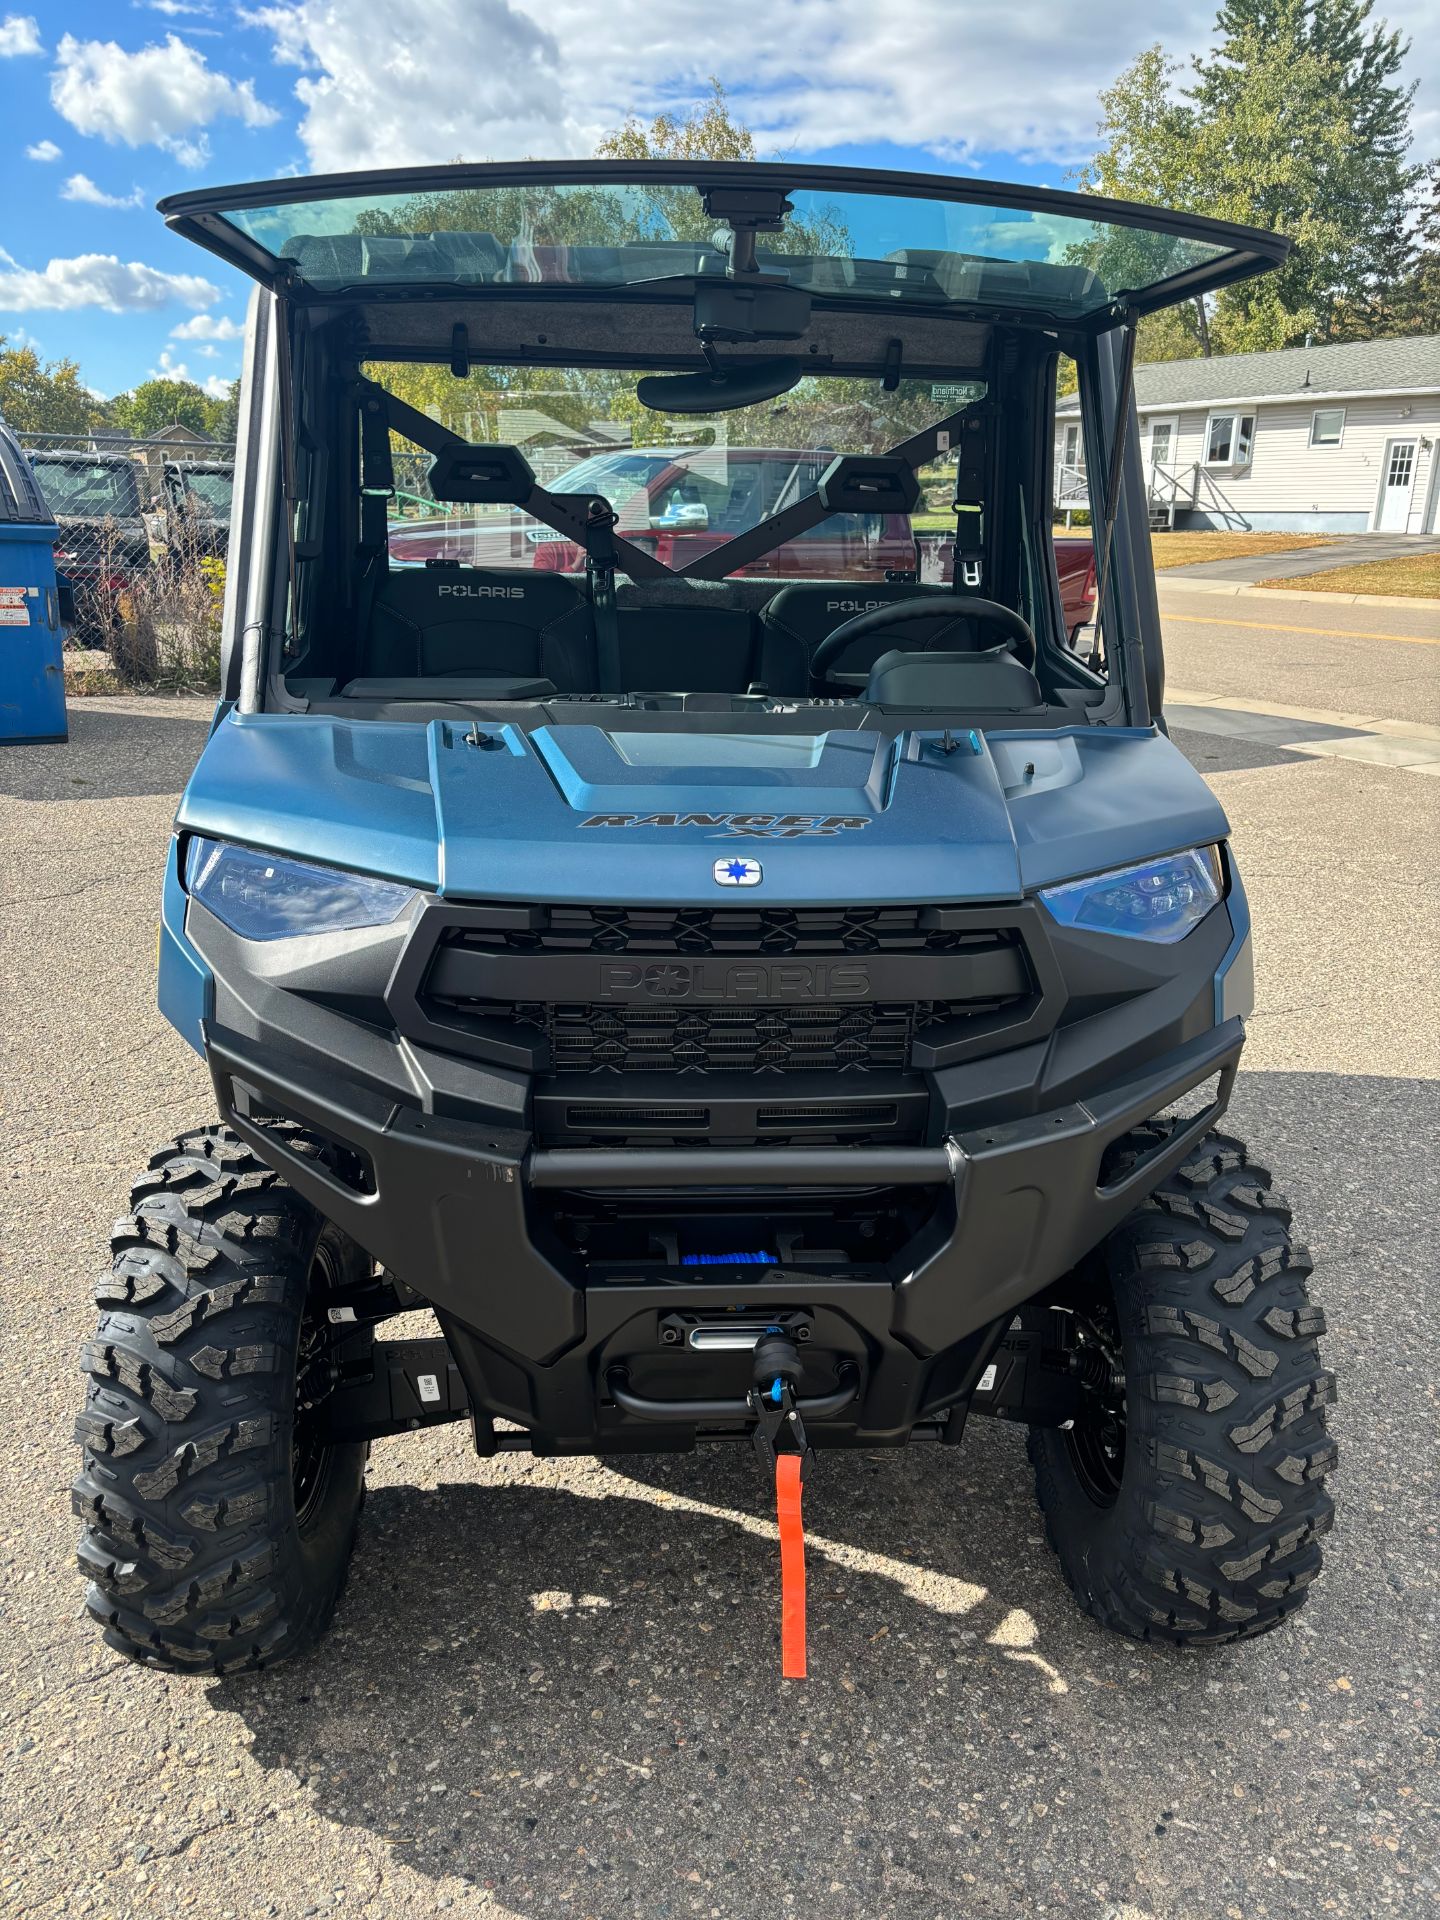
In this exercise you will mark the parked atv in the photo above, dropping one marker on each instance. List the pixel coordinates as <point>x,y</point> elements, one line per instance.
<point>793,1012</point>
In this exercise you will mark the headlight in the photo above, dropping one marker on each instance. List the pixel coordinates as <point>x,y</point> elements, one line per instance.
<point>1158,900</point>
<point>263,897</point>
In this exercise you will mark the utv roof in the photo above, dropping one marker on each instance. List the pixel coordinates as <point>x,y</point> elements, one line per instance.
<point>856,240</point>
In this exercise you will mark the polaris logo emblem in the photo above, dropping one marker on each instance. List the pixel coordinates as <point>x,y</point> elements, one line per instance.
<point>737,872</point>
<point>466,592</point>
<point>712,980</point>
<point>854,606</point>
<point>740,826</point>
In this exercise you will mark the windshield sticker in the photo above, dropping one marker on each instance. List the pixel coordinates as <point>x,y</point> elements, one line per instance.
<point>743,826</point>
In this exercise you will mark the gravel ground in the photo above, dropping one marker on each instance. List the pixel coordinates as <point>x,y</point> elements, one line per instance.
<point>551,1689</point>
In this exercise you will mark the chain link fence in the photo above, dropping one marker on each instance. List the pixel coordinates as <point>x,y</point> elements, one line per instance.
<point>144,526</point>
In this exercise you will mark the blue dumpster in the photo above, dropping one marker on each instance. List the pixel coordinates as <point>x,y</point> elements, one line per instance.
<point>32,675</point>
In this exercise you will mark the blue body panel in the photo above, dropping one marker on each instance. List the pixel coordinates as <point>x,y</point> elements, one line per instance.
<point>186,986</point>
<point>32,676</point>
<point>382,797</point>
<point>1235,975</point>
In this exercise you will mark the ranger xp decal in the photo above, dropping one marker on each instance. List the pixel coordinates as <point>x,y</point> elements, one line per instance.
<point>747,826</point>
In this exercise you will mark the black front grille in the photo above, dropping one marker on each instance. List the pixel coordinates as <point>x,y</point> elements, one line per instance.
<point>722,930</point>
<point>866,1038</point>
<point>613,1118</point>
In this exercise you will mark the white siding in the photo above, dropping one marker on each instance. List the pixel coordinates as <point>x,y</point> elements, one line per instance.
<point>1288,482</point>
<point>1287,475</point>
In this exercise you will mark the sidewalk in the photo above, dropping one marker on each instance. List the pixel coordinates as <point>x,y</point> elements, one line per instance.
<point>1178,581</point>
<point>1408,745</point>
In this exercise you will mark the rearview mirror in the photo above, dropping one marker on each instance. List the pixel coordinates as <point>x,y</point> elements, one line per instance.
<point>719,389</point>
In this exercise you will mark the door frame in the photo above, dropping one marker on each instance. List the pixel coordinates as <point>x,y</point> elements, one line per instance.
<point>1394,440</point>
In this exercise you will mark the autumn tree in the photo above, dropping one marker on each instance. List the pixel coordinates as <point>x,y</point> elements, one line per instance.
<point>44,397</point>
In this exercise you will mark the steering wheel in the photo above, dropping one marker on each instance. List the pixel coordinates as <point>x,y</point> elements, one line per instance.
<point>1018,637</point>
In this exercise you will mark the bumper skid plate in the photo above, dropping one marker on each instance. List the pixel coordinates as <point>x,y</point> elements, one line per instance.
<point>450,1207</point>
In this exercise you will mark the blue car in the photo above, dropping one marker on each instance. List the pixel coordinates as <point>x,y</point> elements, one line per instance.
<point>790,1011</point>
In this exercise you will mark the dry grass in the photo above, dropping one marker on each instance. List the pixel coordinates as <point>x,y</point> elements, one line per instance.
<point>167,635</point>
<point>1412,577</point>
<point>89,672</point>
<point>1185,549</point>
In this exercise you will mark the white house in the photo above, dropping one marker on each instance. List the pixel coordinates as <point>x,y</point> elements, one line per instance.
<point>1314,439</point>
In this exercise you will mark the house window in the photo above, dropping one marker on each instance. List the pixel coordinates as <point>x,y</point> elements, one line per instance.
<point>1327,426</point>
<point>1229,439</point>
<point>1070,457</point>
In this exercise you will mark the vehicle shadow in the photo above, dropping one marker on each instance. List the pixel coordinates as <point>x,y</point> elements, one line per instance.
<point>561,1690</point>
<point>114,752</point>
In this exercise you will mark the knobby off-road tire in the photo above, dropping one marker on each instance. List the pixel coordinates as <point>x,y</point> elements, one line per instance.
<point>1216,1490</point>
<point>218,1522</point>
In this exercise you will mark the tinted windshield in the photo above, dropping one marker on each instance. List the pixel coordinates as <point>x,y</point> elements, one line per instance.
<point>680,486</point>
<point>1057,260</point>
<point>77,489</point>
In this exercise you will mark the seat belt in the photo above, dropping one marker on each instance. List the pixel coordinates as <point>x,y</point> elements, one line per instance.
<point>377,490</point>
<point>600,562</point>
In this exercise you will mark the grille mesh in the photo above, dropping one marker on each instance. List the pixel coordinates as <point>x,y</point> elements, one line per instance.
<point>723,1039</point>
<point>721,930</point>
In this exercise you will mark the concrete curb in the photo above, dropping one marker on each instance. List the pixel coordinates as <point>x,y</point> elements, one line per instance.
<point>1395,600</point>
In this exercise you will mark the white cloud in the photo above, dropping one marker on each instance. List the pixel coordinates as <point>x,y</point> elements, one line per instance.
<point>994,76</point>
<point>404,97</point>
<point>43,150</point>
<point>170,368</point>
<point>81,187</point>
<point>98,280</point>
<point>157,96</point>
<point>174,9</point>
<point>208,326</point>
<point>19,33</point>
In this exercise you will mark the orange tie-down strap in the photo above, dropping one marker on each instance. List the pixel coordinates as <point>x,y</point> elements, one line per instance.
<point>792,1566</point>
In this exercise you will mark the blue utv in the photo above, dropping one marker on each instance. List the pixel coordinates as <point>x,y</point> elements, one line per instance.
<point>745,988</point>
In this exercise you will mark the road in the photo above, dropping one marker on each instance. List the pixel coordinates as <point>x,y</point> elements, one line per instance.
<point>551,1689</point>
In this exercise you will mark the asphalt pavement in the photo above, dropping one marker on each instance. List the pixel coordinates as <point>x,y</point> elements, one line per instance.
<point>551,1691</point>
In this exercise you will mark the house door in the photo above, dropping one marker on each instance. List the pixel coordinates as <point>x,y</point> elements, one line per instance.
<point>1396,487</point>
<point>1160,460</point>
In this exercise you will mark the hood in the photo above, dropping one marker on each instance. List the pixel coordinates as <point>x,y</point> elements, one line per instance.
<point>593,815</point>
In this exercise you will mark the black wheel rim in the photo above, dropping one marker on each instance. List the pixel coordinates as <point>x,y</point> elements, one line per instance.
<point>310,1448</point>
<point>1096,1442</point>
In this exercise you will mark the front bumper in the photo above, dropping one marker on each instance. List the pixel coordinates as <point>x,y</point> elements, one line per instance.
<point>453,1207</point>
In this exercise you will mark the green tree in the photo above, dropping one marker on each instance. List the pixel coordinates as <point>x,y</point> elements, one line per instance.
<point>44,397</point>
<point>1298,121</point>
<point>161,403</point>
<point>1416,304</point>
<point>222,413</point>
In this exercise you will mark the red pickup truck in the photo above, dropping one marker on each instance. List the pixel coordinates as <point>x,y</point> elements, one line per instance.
<point>681,502</point>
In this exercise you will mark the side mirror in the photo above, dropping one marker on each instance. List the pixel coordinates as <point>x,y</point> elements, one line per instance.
<point>686,516</point>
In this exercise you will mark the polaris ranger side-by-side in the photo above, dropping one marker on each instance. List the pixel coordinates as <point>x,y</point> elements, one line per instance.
<point>796,1012</point>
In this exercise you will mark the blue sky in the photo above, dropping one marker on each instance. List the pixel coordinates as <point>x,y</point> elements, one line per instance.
<point>105,107</point>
